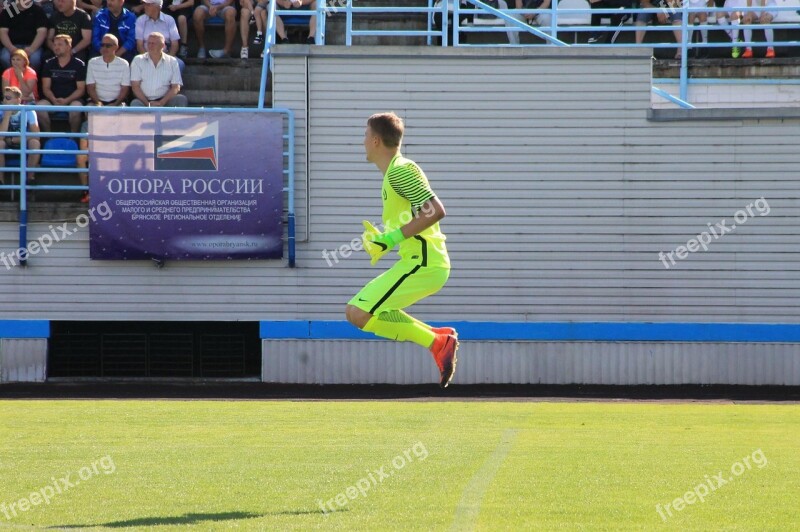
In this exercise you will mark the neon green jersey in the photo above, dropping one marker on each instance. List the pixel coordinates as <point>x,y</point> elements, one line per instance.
<point>405,189</point>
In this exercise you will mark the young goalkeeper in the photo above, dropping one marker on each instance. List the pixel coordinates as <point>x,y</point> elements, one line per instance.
<point>411,214</point>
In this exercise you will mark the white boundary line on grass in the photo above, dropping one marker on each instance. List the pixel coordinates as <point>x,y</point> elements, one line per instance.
<point>470,504</point>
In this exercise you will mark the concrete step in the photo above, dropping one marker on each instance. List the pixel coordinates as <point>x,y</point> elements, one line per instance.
<point>228,82</point>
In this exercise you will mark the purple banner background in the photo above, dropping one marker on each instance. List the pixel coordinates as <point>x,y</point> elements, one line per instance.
<point>191,211</point>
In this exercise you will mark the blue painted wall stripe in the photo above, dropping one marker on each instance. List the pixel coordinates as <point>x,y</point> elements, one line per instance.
<point>560,331</point>
<point>24,329</point>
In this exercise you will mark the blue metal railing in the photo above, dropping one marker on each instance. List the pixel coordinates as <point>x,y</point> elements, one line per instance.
<point>510,20</point>
<point>23,187</point>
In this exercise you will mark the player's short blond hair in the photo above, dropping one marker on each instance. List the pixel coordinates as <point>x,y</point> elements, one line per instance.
<point>388,127</point>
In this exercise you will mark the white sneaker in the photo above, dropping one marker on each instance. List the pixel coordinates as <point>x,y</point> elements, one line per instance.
<point>217,54</point>
<point>245,53</point>
<point>201,53</point>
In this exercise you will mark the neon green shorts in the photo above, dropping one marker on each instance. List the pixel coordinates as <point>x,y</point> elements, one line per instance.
<point>399,287</point>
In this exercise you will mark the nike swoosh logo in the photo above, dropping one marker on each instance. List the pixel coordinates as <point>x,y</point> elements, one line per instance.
<point>361,299</point>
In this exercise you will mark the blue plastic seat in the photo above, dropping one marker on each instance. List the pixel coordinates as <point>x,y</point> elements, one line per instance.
<point>59,160</point>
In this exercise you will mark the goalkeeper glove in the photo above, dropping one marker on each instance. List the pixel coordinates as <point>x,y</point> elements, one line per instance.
<point>378,244</point>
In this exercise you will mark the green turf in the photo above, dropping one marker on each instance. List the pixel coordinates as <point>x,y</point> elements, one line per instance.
<point>489,465</point>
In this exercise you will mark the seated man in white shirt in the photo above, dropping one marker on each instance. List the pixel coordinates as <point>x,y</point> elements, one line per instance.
<point>156,77</point>
<point>152,20</point>
<point>108,77</point>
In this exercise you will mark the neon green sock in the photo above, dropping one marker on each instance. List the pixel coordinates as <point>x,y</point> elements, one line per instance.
<point>399,326</point>
<point>415,320</point>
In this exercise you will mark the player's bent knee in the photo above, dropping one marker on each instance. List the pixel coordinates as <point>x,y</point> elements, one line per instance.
<point>356,316</point>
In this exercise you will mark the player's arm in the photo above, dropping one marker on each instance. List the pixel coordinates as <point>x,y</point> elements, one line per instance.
<point>431,212</point>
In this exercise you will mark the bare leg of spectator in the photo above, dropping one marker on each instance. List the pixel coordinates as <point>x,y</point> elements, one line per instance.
<point>43,117</point>
<point>33,158</point>
<point>676,30</point>
<point>2,162</point>
<point>748,19</point>
<point>199,21</point>
<point>83,162</point>
<point>75,119</point>
<point>244,27</point>
<point>769,35</point>
<point>280,30</point>
<point>312,24</point>
<point>230,28</point>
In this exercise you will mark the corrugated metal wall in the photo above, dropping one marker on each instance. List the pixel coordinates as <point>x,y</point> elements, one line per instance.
<point>23,359</point>
<point>559,193</point>
<point>607,363</point>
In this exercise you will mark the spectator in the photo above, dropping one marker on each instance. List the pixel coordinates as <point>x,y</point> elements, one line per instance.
<point>108,82</point>
<point>539,19</point>
<point>12,121</point>
<point>305,5</point>
<point>23,27</point>
<point>69,20</point>
<point>760,17</point>
<point>156,77</point>
<point>108,77</point>
<point>152,21</point>
<point>260,14</point>
<point>22,76</point>
<point>181,11</point>
<point>669,13</point>
<point>120,23</point>
<point>47,7</point>
<point>616,19</point>
<point>464,18</point>
<point>733,29</point>
<point>215,8</point>
<point>245,16</point>
<point>90,6</point>
<point>63,82</point>
<point>702,18</point>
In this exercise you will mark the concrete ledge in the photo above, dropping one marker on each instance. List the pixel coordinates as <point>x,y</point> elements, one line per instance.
<point>490,53</point>
<point>752,113</point>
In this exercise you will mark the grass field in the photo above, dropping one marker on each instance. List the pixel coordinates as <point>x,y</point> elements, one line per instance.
<point>274,465</point>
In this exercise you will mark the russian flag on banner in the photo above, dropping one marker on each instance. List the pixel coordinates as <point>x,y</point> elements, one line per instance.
<point>197,150</point>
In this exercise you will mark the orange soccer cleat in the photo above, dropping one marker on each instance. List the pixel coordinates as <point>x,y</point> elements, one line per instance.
<point>444,330</point>
<point>770,53</point>
<point>444,353</point>
<point>748,53</point>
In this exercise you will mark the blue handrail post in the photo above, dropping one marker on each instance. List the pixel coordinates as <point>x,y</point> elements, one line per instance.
<point>349,24</point>
<point>684,54</point>
<point>430,22</point>
<point>322,19</point>
<point>445,7</point>
<point>456,22</point>
<point>269,40</point>
<point>23,188</point>
<point>291,236</point>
